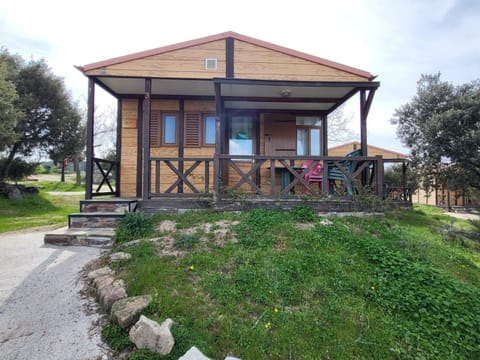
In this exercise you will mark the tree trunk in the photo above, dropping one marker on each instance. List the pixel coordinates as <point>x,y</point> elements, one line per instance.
<point>76,165</point>
<point>62,178</point>
<point>8,164</point>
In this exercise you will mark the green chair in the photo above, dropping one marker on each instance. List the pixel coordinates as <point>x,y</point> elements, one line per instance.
<point>334,173</point>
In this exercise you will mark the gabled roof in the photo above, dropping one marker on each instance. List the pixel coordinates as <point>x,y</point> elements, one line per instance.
<point>221,36</point>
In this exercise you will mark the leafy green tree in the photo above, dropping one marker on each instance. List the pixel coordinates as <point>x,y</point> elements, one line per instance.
<point>8,112</point>
<point>441,126</point>
<point>45,118</point>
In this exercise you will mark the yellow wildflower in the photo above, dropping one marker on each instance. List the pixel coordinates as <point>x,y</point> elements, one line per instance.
<point>191,267</point>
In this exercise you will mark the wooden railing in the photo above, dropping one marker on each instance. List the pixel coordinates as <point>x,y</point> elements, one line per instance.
<point>180,176</point>
<point>104,172</point>
<point>265,176</point>
<point>259,175</point>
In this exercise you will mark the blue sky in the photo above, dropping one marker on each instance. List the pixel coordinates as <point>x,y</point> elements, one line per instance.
<point>396,40</point>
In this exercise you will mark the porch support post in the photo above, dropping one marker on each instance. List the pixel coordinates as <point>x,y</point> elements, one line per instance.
<point>147,107</point>
<point>181,145</point>
<point>118,146</point>
<point>324,152</point>
<point>90,135</point>
<point>219,119</point>
<point>363,124</point>
<point>139,178</point>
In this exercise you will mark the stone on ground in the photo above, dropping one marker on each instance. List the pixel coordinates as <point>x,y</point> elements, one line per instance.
<point>92,275</point>
<point>111,293</point>
<point>167,226</point>
<point>148,334</point>
<point>193,354</point>
<point>120,256</point>
<point>126,311</point>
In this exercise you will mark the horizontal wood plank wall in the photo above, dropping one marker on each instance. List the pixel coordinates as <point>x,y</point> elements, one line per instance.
<point>255,62</point>
<point>183,63</point>
<point>344,149</point>
<point>128,162</point>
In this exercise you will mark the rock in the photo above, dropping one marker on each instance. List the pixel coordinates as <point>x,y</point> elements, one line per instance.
<point>131,243</point>
<point>92,275</point>
<point>231,358</point>
<point>167,226</point>
<point>126,311</point>
<point>148,334</point>
<point>111,294</point>
<point>13,192</point>
<point>326,222</point>
<point>193,354</point>
<point>103,281</point>
<point>119,256</point>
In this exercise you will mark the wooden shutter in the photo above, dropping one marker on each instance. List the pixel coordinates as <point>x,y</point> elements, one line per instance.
<point>155,126</point>
<point>193,129</point>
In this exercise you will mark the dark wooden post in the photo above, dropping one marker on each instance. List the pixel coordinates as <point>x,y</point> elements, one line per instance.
<point>147,107</point>
<point>90,134</point>
<point>139,178</point>
<point>324,152</point>
<point>181,145</point>
<point>379,171</point>
<point>118,157</point>
<point>217,176</point>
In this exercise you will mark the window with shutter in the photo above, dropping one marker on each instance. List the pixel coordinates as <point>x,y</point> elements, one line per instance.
<point>193,133</point>
<point>155,125</point>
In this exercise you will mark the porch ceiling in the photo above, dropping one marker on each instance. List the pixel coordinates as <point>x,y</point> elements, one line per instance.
<point>245,94</point>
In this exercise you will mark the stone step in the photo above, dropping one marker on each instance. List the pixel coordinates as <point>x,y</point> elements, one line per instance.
<point>108,205</point>
<point>103,238</point>
<point>94,220</point>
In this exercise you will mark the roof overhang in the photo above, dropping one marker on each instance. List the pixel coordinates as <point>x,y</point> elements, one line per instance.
<point>244,93</point>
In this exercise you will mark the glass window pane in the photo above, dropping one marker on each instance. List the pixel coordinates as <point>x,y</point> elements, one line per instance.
<point>301,142</point>
<point>241,139</point>
<point>169,131</point>
<point>315,142</point>
<point>210,130</point>
<point>308,121</point>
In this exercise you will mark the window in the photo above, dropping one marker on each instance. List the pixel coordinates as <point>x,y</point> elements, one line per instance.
<point>209,127</point>
<point>163,129</point>
<point>169,129</point>
<point>241,135</point>
<point>308,135</point>
<point>199,129</point>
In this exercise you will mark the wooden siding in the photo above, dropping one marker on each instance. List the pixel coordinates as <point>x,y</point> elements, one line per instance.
<point>183,63</point>
<point>128,162</point>
<point>344,149</point>
<point>255,62</point>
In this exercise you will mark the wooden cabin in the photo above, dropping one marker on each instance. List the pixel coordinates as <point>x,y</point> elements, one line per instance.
<point>226,115</point>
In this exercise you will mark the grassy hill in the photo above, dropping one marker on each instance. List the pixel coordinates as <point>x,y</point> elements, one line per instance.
<point>275,285</point>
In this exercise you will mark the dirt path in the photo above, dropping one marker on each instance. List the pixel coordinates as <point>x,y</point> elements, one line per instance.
<point>42,313</point>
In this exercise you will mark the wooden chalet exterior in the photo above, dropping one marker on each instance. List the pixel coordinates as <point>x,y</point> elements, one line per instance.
<point>226,115</point>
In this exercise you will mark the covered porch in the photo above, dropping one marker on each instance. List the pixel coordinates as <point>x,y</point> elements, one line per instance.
<point>284,134</point>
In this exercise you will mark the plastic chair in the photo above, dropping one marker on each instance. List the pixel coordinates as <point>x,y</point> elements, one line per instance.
<point>315,174</point>
<point>350,165</point>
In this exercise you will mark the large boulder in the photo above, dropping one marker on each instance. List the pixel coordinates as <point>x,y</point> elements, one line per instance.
<point>111,293</point>
<point>92,275</point>
<point>148,334</point>
<point>126,311</point>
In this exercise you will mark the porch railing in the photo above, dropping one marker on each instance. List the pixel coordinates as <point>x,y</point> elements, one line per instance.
<point>264,176</point>
<point>180,176</point>
<point>104,177</point>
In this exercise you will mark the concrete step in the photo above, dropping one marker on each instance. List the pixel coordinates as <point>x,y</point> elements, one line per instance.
<point>103,238</point>
<point>108,205</point>
<point>94,220</point>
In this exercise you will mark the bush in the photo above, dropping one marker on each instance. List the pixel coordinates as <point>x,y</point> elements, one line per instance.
<point>19,169</point>
<point>303,213</point>
<point>134,225</point>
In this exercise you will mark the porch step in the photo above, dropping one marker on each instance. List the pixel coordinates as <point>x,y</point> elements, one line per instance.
<point>103,238</point>
<point>94,220</point>
<point>108,205</point>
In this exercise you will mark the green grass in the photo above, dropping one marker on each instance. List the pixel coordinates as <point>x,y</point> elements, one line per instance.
<point>38,210</point>
<point>358,289</point>
<point>55,186</point>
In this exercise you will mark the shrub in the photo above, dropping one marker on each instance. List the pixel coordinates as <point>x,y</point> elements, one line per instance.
<point>19,169</point>
<point>303,213</point>
<point>135,225</point>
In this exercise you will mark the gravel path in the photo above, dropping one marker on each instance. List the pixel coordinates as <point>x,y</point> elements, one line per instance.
<point>42,312</point>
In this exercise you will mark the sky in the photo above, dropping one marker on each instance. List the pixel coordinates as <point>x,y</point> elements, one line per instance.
<point>396,40</point>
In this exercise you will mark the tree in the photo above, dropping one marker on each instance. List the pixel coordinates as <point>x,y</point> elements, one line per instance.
<point>338,131</point>
<point>8,112</point>
<point>441,126</point>
<point>45,118</point>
